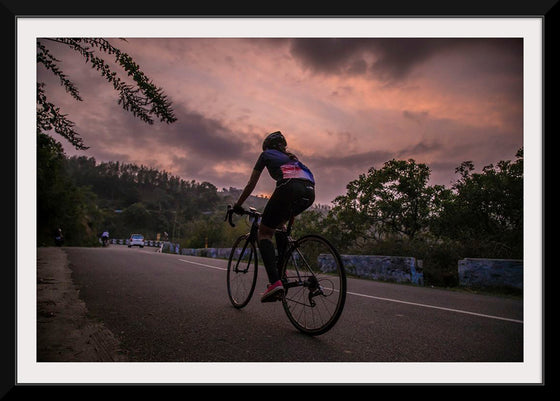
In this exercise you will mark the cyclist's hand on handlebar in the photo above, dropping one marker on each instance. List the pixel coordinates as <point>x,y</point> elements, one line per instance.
<point>229,215</point>
<point>238,209</point>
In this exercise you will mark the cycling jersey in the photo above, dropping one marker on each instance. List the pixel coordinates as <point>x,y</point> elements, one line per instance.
<point>282,167</point>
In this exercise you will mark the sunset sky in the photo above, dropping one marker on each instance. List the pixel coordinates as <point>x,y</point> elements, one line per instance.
<point>344,105</point>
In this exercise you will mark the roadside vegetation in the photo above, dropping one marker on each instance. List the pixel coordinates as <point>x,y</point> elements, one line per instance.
<point>390,211</point>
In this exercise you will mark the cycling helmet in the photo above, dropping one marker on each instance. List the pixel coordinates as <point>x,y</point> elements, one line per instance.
<point>274,141</point>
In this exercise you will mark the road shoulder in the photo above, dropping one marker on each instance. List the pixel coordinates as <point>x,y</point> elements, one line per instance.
<point>65,333</point>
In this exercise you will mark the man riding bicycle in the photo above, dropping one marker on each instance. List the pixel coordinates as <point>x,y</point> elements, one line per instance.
<point>294,193</point>
<point>105,238</point>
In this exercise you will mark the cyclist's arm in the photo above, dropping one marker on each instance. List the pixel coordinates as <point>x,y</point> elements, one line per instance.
<point>255,175</point>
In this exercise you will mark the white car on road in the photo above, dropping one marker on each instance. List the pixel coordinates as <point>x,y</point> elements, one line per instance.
<point>136,240</point>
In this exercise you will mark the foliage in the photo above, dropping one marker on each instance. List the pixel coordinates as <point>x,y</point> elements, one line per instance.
<point>60,203</point>
<point>394,201</point>
<point>309,222</point>
<point>142,98</point>
<point>486,212</point>
<point>142,199</point>
<point>393,211</point>
<point>210,231</point>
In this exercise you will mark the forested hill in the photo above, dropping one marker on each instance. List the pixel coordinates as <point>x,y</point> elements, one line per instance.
<point>120,185</point>
<point>144,199</point>
<point>84,198</point>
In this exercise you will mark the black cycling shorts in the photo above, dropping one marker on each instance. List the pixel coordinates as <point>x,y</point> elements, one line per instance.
<point>292,196</point>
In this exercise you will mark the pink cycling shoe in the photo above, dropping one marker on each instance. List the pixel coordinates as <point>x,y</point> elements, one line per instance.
<point>273,292</point>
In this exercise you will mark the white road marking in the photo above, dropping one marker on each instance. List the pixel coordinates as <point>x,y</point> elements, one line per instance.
<point>202,264</point>
<point>437,307</point>
<point>392,300</point>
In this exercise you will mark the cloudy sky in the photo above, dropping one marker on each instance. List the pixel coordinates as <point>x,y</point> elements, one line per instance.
<point>344,105</point>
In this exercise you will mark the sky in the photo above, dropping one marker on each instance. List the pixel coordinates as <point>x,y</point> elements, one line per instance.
<point>343,104</point>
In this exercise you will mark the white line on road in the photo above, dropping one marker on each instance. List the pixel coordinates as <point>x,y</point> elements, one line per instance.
<point>393,300</point>
<point>202,264</point>
<point>437,307</point>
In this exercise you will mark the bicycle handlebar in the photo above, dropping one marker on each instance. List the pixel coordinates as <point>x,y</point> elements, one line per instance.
<point>229,214</point>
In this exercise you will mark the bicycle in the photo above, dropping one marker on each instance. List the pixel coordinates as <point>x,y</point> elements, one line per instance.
<point>312,274</point>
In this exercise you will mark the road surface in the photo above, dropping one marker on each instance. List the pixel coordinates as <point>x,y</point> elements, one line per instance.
<point>156,307</point>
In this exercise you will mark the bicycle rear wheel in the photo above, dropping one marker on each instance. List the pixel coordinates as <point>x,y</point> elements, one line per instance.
<point>242,271</point>
<point>315,285</point>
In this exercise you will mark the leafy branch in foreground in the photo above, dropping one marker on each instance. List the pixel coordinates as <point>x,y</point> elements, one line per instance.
<point>49,117</point>
<point>143,99</point>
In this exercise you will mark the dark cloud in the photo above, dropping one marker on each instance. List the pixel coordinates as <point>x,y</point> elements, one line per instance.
<point>363,161</point>
<point>394,58</point>
<point>206,137</point>
<point>421,148</point>
<point>351,161</point>
<point>329,55</point>
<point>397,57</point>
<point>416,116</point>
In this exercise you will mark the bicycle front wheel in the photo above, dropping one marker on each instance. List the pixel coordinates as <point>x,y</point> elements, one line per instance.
<point>242,271</point>
<point>315,285</point>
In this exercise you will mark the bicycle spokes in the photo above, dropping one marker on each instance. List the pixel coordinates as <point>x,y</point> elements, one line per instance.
<point>315,285</point>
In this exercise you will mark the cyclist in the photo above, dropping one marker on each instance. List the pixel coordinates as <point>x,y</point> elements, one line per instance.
<point>58,237</point>
<point>294,193</point>
<point>105,237</point>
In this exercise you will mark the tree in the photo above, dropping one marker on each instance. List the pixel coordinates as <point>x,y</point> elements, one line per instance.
<point>137,217</point>
<point>392,201</point>
<point>143,98</point>
<point>486,214</point>
<point>61,204</point>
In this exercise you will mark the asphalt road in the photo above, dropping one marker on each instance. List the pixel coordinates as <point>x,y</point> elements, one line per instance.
<point>174,308</point>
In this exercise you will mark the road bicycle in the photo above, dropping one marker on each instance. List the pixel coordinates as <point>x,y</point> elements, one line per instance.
<point>312,274</point>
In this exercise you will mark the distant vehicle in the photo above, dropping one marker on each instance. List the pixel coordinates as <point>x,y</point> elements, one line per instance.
<point>136,240</point>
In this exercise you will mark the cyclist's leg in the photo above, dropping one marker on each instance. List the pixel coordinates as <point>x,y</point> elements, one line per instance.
<point>274,215</point>
<point>281,238</point>
<point>267,252</point>
<point>275,289</point>
<point>287,201</point>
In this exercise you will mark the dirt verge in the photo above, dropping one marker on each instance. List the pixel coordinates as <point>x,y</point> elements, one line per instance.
<point>64,331</point>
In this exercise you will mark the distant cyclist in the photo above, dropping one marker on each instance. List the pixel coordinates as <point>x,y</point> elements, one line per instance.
<point>58,237</point>
<point>294,193</point>
<point>105,238</point>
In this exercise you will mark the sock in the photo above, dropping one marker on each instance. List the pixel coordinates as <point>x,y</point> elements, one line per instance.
<point>281,244</point>
<point>269,258</point>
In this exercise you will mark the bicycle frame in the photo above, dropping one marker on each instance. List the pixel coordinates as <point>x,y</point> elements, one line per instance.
<point>299,269</point>
<point>253,238</point>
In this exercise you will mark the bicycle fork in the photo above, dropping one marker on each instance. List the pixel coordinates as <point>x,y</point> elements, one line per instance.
<point>241,255</point>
